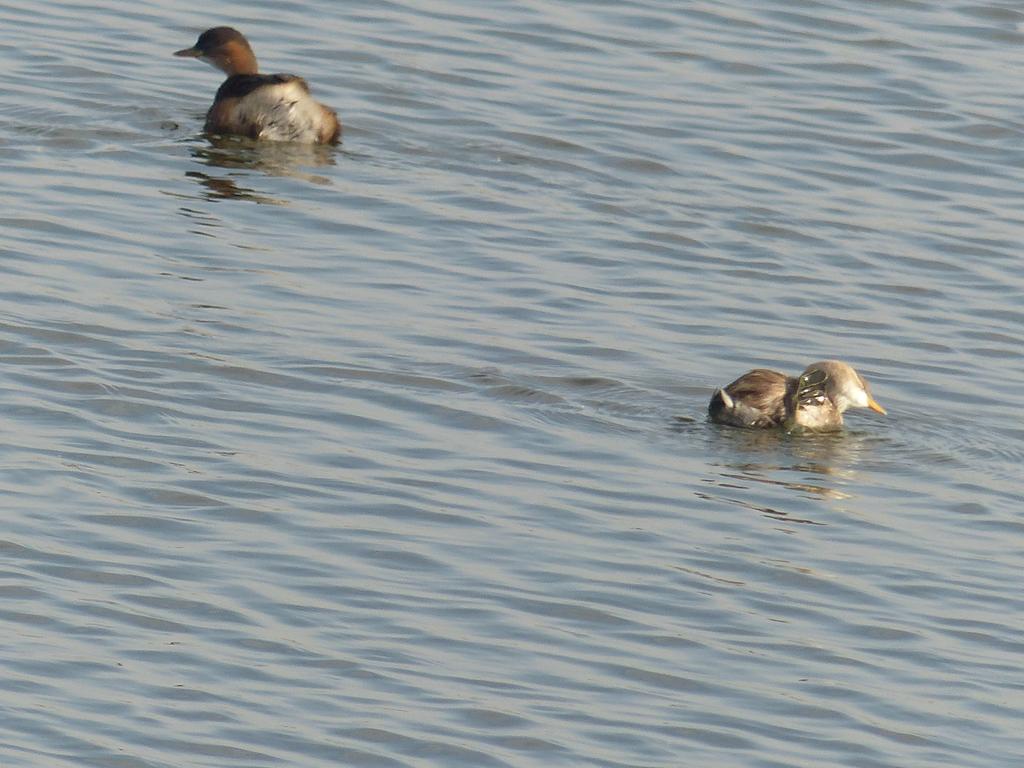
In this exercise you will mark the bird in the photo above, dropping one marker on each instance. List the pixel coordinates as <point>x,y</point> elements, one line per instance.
<point>267,107</point>
<point>813,401</point>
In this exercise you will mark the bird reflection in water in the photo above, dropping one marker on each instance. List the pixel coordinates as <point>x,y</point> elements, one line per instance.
<point>244,158</point>
<point>813,465</point>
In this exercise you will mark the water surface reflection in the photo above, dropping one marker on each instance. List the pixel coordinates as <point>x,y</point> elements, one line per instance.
<point>816,466</point>
<point>243,157</point>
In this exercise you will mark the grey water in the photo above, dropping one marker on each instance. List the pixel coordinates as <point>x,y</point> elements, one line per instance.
<point>395,454</point>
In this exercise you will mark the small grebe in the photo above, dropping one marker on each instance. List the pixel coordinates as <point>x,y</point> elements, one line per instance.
<point>272,107</point>
<point>762,399</point>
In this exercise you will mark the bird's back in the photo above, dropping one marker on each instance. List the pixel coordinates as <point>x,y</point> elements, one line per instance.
<point>271,107</point>
<point>756,399</point>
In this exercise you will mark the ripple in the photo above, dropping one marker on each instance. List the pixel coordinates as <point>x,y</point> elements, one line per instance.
<point>405,442</point>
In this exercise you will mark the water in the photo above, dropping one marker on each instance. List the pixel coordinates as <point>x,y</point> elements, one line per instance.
<point>395,454</point>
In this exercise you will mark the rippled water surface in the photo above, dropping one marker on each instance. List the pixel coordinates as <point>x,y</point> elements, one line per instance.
<point>395,454</point>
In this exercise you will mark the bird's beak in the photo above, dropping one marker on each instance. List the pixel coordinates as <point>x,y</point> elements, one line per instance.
<point>191,53</point>
<point>874,406</point>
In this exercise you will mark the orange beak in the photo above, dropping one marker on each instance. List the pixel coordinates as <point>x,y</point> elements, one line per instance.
<point>874,406</point>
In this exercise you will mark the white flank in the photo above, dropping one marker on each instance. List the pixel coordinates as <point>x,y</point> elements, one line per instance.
<point>285,112</point>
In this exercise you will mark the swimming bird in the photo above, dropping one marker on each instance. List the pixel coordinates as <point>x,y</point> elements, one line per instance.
<point>815,400</point>
<point>270,107</point>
